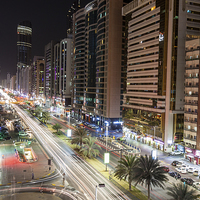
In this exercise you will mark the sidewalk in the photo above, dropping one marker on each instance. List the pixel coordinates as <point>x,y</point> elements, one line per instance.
<point>20,172</point>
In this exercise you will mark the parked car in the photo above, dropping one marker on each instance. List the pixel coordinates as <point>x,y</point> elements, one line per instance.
<point>21,133</point>
<point>196,185</point>
<point>188,181</point>
<point>181,170</point>
<point>180,163</point>
<point>174,174</point>
<point>166,169</point>
<point>196,173</point>
<point>191,169</point>
<point>186,166</point>
<point>8,137</point>
<point>174,163</point>
<point>176,152</point>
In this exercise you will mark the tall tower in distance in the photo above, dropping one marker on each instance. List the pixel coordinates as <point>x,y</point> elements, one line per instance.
<point>24,47</point>
<point>74,7</point>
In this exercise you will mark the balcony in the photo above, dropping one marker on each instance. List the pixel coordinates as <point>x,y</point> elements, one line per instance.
<point>192,67</point>
<point>191,130</point>
<point>190,121</point>
<point>191,95</point>
<point>192,85</point>
<point>189,138</point>
<point>191,103</point>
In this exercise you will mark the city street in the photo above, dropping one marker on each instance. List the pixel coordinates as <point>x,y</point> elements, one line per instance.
<point>78,173</point>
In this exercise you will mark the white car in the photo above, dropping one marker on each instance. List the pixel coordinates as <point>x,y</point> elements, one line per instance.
<point>176,152</point>
<point>191,169</point>
<point>196,172</point>
<point>180,163</point>
<point>23,134</point>
<point>196,185</point>
<point>186,166</point>
<point>181,170</point>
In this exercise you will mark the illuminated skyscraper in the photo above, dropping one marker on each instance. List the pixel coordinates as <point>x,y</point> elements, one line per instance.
<point>24,46</point>
<point>154,98</point>
<point>74,7</point>
<point>98,62</point>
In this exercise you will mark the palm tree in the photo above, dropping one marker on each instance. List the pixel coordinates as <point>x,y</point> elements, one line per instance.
<point>46,116</point>
<point>125,169</point>
<point>149,172</point>
<point>78,136</point>
<point>57,127</point>
<point>38,111</point>
<point>181,192</point>
<point>90,149</point>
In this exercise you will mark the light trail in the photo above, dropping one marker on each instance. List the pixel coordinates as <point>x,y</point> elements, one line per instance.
<point>81,173</point>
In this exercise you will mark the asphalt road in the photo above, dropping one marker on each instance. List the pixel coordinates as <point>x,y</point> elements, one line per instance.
<point>84,177</point>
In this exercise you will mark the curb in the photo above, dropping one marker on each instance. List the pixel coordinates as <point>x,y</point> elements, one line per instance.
<point>27,181</point>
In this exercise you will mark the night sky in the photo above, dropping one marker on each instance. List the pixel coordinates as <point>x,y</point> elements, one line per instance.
<point>49,22</point>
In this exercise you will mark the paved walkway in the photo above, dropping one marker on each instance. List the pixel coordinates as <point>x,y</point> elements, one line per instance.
<point>31,196</point>
<point>12,169</point>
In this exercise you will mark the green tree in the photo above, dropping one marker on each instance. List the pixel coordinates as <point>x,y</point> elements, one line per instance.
<point>57,127</point>
<point>38,111</point>
<point>90,149</point>
<point>78,136</point>
<point>149,172</point>
<point>46,116</point>
<point>181,192</point>
<point>125,169</point>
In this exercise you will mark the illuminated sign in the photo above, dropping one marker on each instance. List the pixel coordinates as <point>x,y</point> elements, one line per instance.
<point>153,154</point>
<point>106,158</point>
<point>161,37</point>
<point>69,133</point>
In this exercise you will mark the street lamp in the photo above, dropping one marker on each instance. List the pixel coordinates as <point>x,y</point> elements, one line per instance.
<point>106,141</point>
<point>100,185</point>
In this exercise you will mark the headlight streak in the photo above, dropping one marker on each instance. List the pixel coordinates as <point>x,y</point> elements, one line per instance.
<point>110,190</point>
<point>72,195</point>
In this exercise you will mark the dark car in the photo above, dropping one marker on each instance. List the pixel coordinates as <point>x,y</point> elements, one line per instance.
<point>188,181</point>
<point>8,137</point>
<point>174,174</point>
<point>174,163</point>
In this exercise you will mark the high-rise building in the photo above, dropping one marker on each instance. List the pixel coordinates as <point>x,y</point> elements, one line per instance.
<point>24,46</point>
<point>63,52</point>
<point>13,83</point>
<point>49,72</point>
<point>74,7</point>
<point>154,98</point>
<point>38,76</point>
<point>8,80</point>
<point>192,95</point>
<point>98,62</point>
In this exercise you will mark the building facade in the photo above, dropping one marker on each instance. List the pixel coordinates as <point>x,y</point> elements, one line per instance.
<point>49,73</point>
<point>192,48</point>
<point>63,55</point>
<point>24,47</point>
<point>97,72</point>
<point>38,76</point>
<point>154,98</point>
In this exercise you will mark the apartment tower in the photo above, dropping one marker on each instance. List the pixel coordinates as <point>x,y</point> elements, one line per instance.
<point>154,98</point>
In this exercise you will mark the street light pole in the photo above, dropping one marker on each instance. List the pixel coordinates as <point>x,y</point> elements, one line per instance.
<point>100,185</point>
<point>106,143</point>
<point>96,193</point>
<point>154,134</point>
